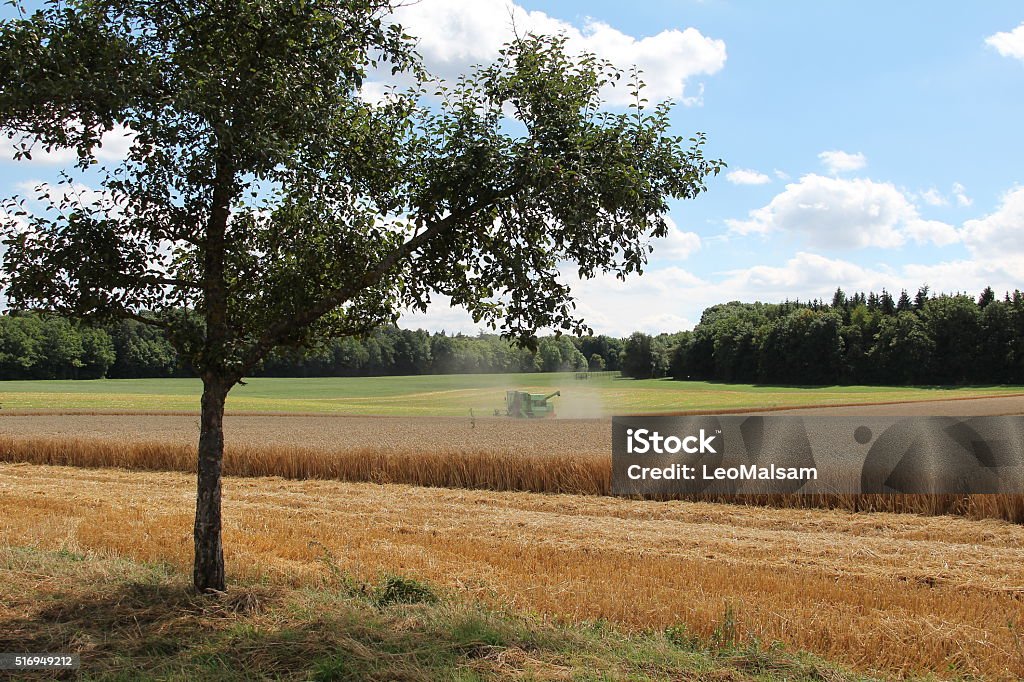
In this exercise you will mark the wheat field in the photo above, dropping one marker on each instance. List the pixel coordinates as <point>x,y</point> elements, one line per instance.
<point>549,456</point>
<point>893,594</point>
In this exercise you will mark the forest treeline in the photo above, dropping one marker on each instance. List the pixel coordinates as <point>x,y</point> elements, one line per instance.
<point>858,339</point>
<point>37,346</point>
<point>854,339</point>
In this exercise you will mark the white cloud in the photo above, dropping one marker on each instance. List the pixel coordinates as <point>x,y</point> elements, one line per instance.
<point>934,231</point>
<point>809,275</point>
<point>677,244</point>
<point>960,192</point>
<point>995,257</point>
<point>844,213</point>
<point>115,145</point>
<point>664,322</point>
<point>964,275</point>
<point>805,275</point>
<point>441,316</point>
<point>837,161</point>
<point>745,176</point>
<point>998,238</point>
<point>933,197</point>
<point>781,175</point>
<point>650,303</point>
<point>456,34</point>
<point>662,299</point>
<point>374,92</point>
<point>1008,43</point>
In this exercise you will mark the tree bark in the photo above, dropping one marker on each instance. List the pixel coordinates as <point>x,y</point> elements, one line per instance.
<point>208,571</point>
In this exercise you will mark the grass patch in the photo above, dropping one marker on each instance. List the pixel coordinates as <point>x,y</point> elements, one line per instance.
<point>140,621</point>
<point>398,589</point>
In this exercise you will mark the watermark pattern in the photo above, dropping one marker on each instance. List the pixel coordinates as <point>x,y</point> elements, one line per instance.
<point>738,455</point>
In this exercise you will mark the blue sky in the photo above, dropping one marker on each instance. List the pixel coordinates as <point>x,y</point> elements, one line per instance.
<point>869,144</point>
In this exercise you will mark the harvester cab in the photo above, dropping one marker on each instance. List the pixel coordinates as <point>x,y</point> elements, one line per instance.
<point>523,405</point>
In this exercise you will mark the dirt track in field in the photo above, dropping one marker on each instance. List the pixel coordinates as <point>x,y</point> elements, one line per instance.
<point>955,407</point>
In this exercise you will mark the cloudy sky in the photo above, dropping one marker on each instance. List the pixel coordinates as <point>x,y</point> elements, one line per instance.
<point>870,144</point>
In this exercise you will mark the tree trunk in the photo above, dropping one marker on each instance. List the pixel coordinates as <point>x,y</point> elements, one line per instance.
<point>208,571</point>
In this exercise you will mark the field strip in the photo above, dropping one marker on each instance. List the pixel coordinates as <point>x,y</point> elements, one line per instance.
<point>1014,400</point>
<point>388,397</point>
<point>544,456</point>
<point>333,433</point>
<point>974,405</point>
<point>892,593</point>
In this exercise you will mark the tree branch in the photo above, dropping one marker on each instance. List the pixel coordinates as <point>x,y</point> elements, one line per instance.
<point>129,315</point>
<point>170,281</point>
<point>275,332</point>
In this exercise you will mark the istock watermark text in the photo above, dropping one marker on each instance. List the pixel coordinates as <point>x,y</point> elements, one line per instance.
<point>642,442</point>
<point>686,472</point>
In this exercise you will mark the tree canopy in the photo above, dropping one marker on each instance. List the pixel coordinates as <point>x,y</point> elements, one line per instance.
<point>331,214</point>
<point>265,201</point>
<point>860,339</point>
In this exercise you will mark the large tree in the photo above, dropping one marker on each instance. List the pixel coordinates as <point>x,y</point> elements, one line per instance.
<point>266,202</point>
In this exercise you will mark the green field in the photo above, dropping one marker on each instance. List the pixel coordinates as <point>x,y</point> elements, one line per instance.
<point>599,395</point>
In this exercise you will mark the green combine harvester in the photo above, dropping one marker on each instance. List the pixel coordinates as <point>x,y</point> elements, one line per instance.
<point>523,405</point>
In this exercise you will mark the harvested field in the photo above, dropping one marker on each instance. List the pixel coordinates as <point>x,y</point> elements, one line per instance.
<point>896,594</point>
<point>336,433</point>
